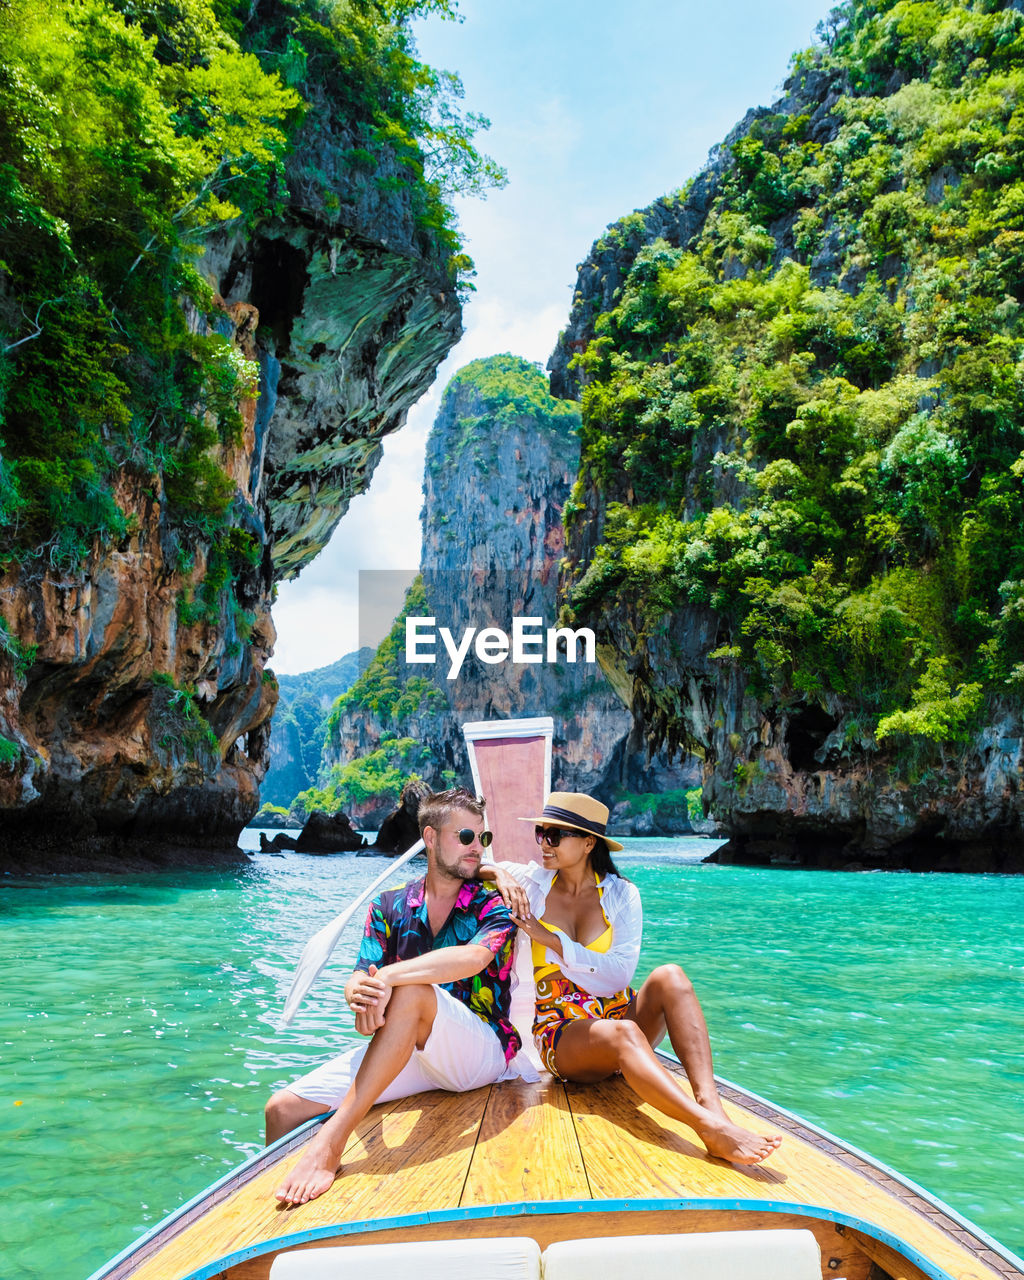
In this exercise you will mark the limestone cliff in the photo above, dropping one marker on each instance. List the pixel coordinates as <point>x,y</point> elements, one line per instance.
<point>135,698</point>
<point>501,461</point>
<point>797,526</point>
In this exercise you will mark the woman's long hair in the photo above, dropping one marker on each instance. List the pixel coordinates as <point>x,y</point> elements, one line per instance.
<point>601,860</point>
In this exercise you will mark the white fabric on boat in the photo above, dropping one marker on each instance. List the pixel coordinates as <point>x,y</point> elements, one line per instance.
<point>703,1255</point>
<point>501,1258</point>
<point>317,950</point>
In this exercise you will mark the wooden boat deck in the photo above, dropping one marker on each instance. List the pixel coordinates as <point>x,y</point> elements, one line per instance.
<point>491,1158</point>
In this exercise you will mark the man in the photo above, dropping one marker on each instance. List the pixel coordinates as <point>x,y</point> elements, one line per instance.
<point>431,988</point>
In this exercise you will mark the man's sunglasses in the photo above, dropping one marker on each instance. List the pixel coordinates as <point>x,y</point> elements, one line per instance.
<point>467,835</point>
<point>553,835</point>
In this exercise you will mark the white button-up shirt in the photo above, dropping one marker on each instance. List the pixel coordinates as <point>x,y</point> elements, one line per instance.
<point>599,973</point>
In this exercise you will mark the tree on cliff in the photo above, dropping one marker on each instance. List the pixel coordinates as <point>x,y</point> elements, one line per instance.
<point>799,523</point>
<point>183,183</point>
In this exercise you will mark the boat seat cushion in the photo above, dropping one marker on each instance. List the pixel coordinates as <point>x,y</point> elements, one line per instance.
<point>710,1255</point>
<point>501,1258</point>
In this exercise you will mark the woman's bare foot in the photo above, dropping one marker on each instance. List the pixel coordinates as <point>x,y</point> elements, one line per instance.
<point>710,1102</point>
<point>310,1178</point>
<point>729,1141</point>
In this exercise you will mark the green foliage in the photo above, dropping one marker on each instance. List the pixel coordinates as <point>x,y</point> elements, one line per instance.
<point>270,811</point>
<point>129,131</point>
<point>695,804</point>
<point>22,656</point>
<point>670,802</point>
<point>508,390</point>
<point>379,775</point>
<point>858,419</point>
<point>513,387</point>
<point>747,773</point>
<point>937,712</point>
<point>10,752</point>
<point>355,66</point>
<point>230,556</point>
<point>379,689</point>
<point>114,161</point>
<point>180,721</point>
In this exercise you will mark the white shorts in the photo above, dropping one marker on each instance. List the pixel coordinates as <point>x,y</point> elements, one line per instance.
<point>461,1052</point>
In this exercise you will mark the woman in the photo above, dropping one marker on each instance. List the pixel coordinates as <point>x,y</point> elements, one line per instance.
<point>584,922</point>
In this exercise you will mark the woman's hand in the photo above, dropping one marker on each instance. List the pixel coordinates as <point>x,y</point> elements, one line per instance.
<point>513,895</point>
<point>541,934</point>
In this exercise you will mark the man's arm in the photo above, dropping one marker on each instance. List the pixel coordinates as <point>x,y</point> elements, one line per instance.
<point>446,964</point>
<point>369,989</point>
<point>368,993</point>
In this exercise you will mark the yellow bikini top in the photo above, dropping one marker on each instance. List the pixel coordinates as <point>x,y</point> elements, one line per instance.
<point>603,942</point>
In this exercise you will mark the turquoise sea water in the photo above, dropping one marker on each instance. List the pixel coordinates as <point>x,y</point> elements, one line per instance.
<point>138,1034</point>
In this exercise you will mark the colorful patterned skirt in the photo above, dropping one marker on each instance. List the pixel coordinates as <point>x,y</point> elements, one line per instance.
<point>559,1002</point>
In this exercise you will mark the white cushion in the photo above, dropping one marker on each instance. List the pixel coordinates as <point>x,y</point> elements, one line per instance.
<point>710,1255</point>
<point>500,1258</point>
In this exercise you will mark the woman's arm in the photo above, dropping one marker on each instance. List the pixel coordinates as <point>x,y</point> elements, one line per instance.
<point>550,938</point>
<point>514,895</point>
<point>609,972</point>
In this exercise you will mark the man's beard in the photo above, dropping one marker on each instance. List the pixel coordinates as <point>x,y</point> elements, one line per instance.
<point>455,872</point>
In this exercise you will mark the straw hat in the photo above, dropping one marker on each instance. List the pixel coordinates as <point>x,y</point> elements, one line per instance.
<point>577,812</point>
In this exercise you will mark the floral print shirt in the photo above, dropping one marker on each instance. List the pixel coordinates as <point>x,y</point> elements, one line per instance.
<point>397,928</point>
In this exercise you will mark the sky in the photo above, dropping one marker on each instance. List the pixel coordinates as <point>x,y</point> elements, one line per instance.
<point>597,108</point>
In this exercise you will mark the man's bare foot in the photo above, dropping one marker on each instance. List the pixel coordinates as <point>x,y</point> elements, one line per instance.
<point>742,1146</point>
<point>310,1178</point>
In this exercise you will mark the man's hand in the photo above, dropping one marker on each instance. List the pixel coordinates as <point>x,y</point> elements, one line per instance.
<point>367,995</point>
<point>369,1022</point>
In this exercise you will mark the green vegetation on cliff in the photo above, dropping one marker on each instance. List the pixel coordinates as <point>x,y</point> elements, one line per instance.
<point>130,130</point>
<point>379,689</point>
<point>380,775</point>
<point>811,420</point>
<point>125,136</point>
<point>180,722</point>
<point>381,696</point>
<point>488,404</point>
<point>509,389</point>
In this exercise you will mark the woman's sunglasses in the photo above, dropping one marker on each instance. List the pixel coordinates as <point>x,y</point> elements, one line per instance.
<point>467,835</point>
<point>553,835</point>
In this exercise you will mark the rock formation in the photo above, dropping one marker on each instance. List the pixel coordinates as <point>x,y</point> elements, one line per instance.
<point>400,829</point>
<point>122,717</point>
<point>501,463</point>
<point>855,695</point>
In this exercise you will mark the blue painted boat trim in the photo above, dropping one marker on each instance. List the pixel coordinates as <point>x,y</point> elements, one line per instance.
<point>535,1208</point>
<point>918,1190</point>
